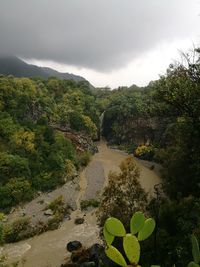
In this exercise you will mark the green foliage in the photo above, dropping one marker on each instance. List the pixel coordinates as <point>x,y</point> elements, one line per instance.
<point>84,158</point>
<point>137,222</point>
<point>15,191</point>
<point>89,203</point>
<point>34,116</point>
<point>54,222</point>
<point>175,222</point>
<point>114,227</point>
<point>147,229</point>
<point>127,117</point>
<point>109,238</point>
<point>195,252</point>
<point>144,152</point>
<point>13,166</point>
<point>14,232</point>
<point>115,256</point>
<point>123,194</point>
<point>130,244</point>
<point>57,205</point>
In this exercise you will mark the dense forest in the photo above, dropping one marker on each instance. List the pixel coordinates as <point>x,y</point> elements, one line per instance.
<point>35,116</point>
<point>159,123</point>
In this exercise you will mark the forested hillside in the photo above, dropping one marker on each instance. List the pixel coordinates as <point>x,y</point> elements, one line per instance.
<point>35,117</point>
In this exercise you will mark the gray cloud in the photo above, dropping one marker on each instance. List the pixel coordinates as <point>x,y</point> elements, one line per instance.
<point>98,34</point>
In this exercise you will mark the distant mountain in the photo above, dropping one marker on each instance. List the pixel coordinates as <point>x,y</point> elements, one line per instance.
<point>11,65</point>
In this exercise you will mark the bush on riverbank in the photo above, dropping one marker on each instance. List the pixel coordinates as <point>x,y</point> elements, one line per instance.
<point>84,158</point>
<point>22,228</point>
<point>144,152</point>
<point>89,203</point>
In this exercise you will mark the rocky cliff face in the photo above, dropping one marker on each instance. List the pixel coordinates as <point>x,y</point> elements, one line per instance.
<point>136,130</point>
<point>82,142</point>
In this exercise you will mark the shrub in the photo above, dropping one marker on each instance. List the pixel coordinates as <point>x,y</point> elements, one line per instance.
<point>89,126</point>
<point>70,170</point>
<point>60,209</point>
<point>13,166</point>
<point>144,152</point>
<point>89,203</point>
<point>131,148</point>
<point>14,192</point>
<point>54,222</point>
<point>57,205</point>
<point>84,158</point>
<point>46,181</point>
<point>13,232</point>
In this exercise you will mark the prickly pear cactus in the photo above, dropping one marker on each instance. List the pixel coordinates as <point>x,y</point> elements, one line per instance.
<point>195,252</point>
<point>138,225</point>
<point>147,229</point>
<point>115,227</point>
<point>108,237</point>
<point>131,248</point>
<point>137,222</point>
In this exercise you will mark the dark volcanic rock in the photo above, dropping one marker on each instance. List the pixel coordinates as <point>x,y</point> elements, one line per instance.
<point>95,251</point>
<point>94,256</point>
<point>73,245</point>
<point>79,220</point>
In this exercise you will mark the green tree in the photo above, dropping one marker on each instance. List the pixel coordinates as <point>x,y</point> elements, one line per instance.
<point>123,195</point>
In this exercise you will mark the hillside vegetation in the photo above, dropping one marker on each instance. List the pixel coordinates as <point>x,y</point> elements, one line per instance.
<point>35,115</point>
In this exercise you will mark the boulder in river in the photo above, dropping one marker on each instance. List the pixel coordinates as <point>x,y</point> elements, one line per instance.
<point>79,220</point>
<point>73,245</point>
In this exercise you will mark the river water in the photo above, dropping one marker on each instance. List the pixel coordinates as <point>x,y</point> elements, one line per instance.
<point>48,249</point>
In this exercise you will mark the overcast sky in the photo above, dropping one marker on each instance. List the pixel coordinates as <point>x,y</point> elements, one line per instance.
<point>109,42</point>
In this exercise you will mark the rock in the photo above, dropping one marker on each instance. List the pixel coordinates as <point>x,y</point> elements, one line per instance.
<point>48,212</point>
<point>79,256</point>
<point>79,220</point>
<point>67,217</point>
<point>73,246</point>
<point>23,212</point>
<point>95,250</point>
<point>73,205</point>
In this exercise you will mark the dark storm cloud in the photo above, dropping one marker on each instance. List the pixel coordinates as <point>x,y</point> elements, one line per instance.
<point>99,34</point>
